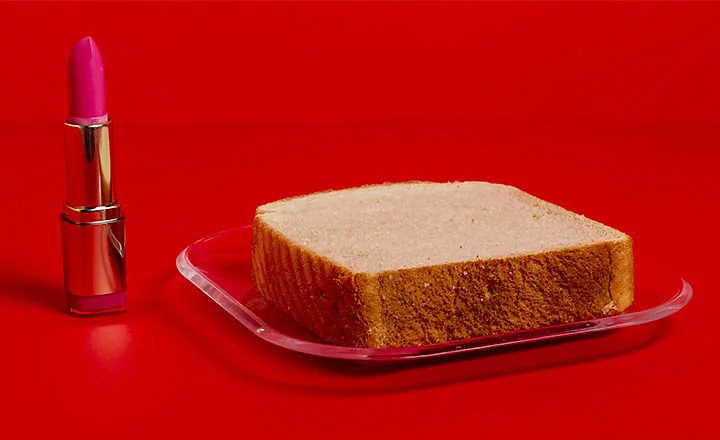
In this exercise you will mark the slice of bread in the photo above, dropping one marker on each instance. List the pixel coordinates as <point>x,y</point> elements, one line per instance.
<point>418,263</point>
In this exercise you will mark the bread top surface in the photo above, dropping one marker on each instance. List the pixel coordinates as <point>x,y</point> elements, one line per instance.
<point>379,228</point>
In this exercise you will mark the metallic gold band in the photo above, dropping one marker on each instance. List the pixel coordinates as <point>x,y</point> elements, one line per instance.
<point>89,166</point>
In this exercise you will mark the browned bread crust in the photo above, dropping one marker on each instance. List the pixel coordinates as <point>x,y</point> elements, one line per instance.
<point>440,303</point>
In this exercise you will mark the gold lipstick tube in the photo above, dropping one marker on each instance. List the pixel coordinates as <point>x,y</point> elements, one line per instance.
<point>92,224</point>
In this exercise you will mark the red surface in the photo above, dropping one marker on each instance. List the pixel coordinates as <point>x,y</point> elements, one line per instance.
<point>608,109</point>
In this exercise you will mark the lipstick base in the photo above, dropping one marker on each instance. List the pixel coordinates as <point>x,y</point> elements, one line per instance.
<point>97,304</point>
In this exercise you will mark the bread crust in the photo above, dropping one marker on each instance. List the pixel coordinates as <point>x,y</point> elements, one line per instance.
<point>435,304</point>
<point>441,303</point>
<point>325,298</point>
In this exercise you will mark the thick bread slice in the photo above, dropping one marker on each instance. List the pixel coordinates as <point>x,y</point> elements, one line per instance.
<point>417,263</point>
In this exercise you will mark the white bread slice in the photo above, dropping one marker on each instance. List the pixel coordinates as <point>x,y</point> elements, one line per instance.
<point>417,263</point>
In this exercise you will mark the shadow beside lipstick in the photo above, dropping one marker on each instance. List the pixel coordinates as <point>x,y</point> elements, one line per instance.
<point>26,288</point>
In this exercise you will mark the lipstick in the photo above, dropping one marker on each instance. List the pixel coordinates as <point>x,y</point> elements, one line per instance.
<point>92,224</point>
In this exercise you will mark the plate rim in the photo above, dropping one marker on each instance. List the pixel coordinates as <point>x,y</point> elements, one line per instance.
<point>481,343</point>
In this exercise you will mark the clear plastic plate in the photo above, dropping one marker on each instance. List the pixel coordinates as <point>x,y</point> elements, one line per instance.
<point>220,266</point>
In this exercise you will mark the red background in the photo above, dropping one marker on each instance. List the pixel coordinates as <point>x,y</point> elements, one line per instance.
<point>609,109</point>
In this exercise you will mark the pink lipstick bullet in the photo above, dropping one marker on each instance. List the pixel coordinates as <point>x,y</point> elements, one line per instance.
<point>86,81</point>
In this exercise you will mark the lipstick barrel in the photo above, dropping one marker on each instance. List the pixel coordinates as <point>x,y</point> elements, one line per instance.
<point>89,167</point>
<point>92,224</point>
